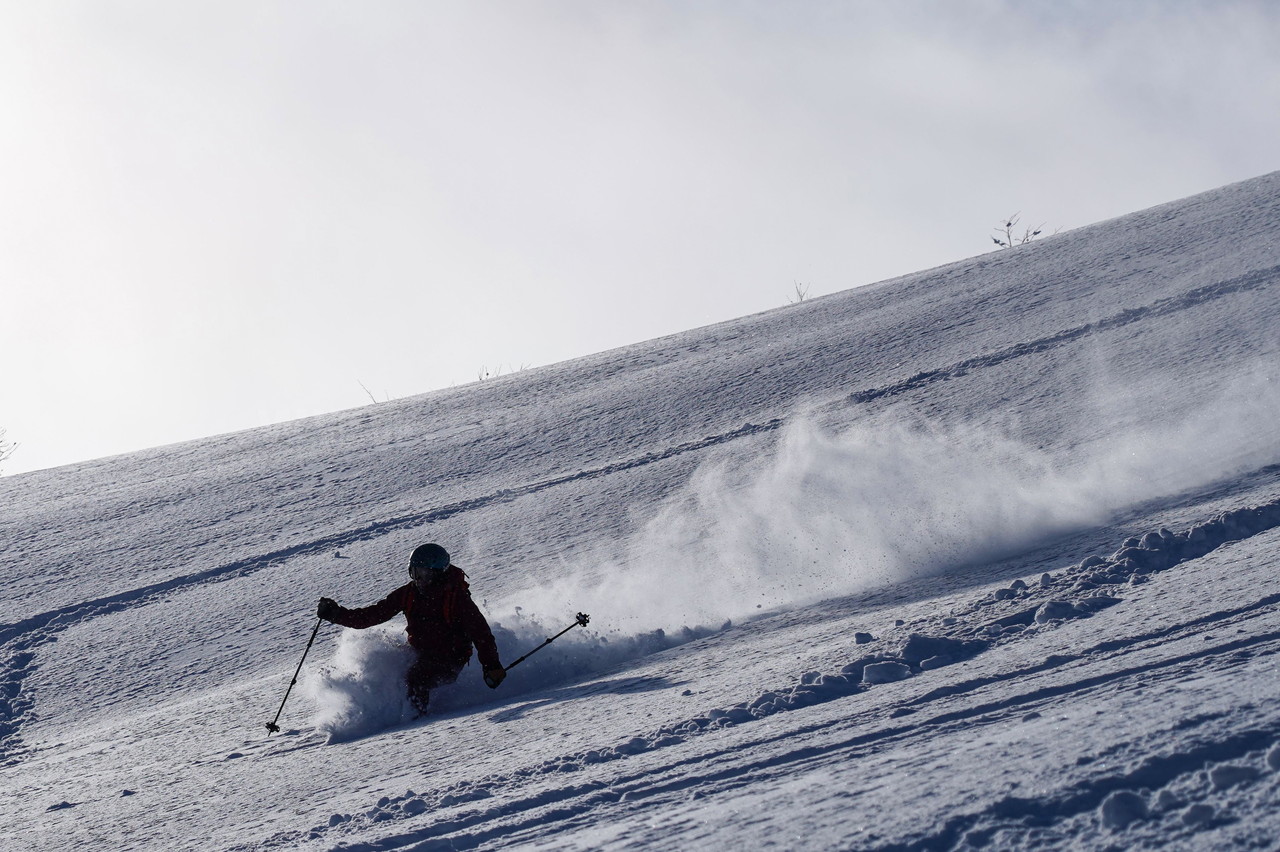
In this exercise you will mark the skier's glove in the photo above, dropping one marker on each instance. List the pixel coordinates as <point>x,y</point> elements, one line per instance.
<point>495,676</point>
<point>327,609</point>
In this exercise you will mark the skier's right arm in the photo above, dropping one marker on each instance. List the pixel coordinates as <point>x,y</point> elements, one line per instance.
<point>361,617</point>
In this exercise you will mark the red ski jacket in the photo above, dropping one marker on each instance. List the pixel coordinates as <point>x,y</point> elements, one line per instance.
<point>443,621</point>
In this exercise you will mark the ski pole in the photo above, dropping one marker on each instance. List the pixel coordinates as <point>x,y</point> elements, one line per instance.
<point>272,727</point>
<point>582,620</point>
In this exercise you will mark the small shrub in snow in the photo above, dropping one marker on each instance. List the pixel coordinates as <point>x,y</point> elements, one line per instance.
<point>1008,239</point>
<point>484,374</point>
<point>6,447</point>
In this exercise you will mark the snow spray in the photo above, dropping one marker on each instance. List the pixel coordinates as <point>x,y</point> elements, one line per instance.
<point>832,512</point>
<point>362,689</point>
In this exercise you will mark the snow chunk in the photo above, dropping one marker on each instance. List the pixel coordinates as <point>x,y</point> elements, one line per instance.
<point>1097,602</point>
<point>1198,815</point>
<point>1229,775</point>
<point>1121,809</point>
<point>919,648</point>
<point>886,672</point>
<point>1055,610</point>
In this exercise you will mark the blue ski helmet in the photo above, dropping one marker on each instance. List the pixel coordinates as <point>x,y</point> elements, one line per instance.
<point>428,559</point>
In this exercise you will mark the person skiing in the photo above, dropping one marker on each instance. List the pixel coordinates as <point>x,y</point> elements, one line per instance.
<point>443,623</point>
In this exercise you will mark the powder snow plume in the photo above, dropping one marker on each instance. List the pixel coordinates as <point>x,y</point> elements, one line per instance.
<point>362,689</point>
<point>831,513</point>
<point>834,512</point>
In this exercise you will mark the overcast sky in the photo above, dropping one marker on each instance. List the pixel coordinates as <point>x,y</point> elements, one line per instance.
<point>217,215</point>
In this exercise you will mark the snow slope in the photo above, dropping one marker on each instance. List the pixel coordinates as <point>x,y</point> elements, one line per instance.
<point>979,557</point>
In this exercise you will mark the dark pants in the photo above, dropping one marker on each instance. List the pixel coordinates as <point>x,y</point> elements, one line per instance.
<point>425,675</point>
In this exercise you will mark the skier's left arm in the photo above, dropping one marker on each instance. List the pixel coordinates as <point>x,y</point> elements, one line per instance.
<point>477,630</point>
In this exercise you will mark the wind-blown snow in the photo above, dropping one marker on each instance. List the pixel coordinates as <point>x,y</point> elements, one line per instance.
<point>981,557</point>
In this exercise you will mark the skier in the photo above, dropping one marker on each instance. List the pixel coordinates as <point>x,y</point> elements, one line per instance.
<point>443,623</point>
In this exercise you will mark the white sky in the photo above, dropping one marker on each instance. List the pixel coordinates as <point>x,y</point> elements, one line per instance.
<point>216,215</point>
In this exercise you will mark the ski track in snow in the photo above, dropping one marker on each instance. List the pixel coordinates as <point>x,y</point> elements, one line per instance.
<point>1156,310</point>
<point>24,637</point>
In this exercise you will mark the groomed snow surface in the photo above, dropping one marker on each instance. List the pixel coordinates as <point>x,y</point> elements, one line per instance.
<point>982,557</point>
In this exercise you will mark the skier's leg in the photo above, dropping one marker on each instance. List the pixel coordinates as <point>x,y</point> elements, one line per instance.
<point>420,699</point>
<point>419,694</point>
<point>421,680</point>
<point>424,676</point>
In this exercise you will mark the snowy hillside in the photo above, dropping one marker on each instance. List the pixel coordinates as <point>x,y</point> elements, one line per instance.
<point>981,557</point>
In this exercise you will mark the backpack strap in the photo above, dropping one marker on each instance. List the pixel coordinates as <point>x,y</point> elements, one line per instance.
<point>455,586</point>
